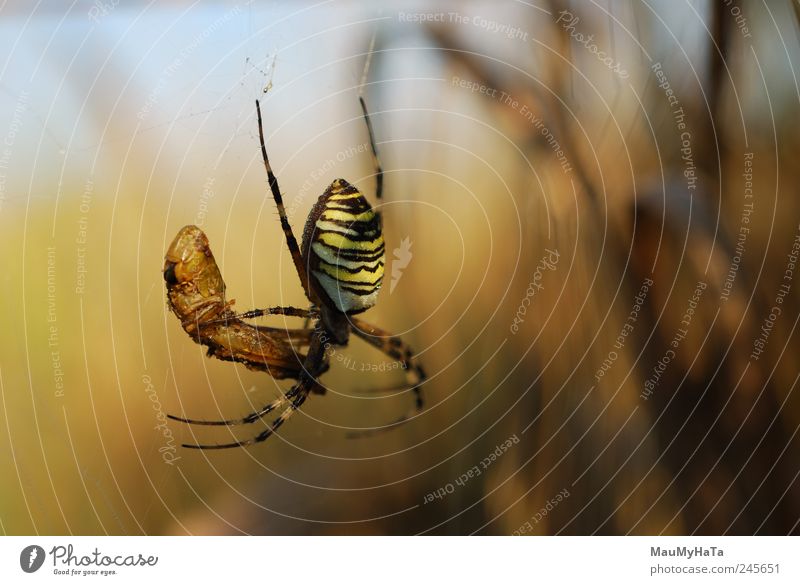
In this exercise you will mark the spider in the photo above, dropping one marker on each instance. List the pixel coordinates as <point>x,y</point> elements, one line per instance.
<point>340,267</point>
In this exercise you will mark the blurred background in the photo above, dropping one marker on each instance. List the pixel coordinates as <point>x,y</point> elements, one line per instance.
<point>600,206</point>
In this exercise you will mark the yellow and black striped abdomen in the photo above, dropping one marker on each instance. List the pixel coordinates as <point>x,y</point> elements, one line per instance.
<point>343,249</point>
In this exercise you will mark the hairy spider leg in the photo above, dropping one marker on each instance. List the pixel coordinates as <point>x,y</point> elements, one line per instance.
<point>291,241</point>
<point>299,392</point>
<point>375,160</point>
<point>394,347</point>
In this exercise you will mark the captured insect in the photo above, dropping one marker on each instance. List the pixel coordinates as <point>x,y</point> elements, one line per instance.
<point>196,294</point>
<point>340,266</point>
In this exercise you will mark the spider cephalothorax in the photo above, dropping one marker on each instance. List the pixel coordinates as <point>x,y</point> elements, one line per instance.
<point>340,267</point>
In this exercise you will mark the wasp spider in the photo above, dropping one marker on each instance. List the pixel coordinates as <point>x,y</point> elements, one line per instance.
<point>340,266</point>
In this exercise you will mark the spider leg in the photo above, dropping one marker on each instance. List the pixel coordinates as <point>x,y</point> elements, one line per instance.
<point>313,365</point>
<point>291,241</point>
<point>395,348</point>
<point>252,314</point>
<point>250,418</point>
<point>307,321</point>
<point>288,311</point>
<point>375,160</point>
<point>300,337</point>
<point>302,394</point>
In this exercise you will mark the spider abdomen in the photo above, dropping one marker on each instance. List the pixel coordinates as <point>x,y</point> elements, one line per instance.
<point>343,249</point>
